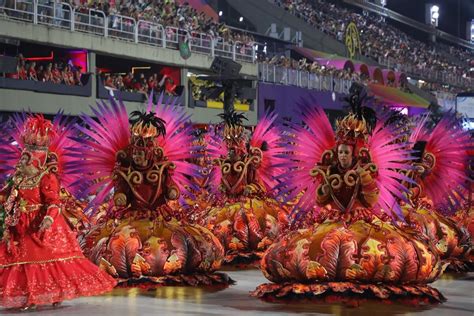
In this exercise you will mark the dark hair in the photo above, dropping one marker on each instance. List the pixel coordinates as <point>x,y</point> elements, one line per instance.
<point>148,119</point>
<point>233,118</point>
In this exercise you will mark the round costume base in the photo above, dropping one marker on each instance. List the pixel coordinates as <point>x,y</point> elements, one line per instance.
<point>460,266</point>
<point>350,293</point>
<point>211,279</point>
<point>244,259</point>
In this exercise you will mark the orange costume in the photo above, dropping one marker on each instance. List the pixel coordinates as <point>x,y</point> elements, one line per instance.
<point>351,247</point>
<point>145,237</point>
<point>244,215</point>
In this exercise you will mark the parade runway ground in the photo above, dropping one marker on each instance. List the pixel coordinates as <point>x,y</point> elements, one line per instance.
<point>235,300</point>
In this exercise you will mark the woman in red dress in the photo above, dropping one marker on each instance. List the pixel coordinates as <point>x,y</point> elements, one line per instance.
<point>32,72</point>
<point>56,74</point>
<point>21,69</point>
<point>40,259</point>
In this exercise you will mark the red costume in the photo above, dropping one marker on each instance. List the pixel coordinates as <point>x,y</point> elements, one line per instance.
<point>40,259</point>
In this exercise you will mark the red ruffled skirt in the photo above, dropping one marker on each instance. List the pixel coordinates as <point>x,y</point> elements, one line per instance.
<point>44,268</point>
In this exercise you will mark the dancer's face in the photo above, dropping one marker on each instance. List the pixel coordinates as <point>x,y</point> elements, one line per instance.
<point>344,154</point>
<point>235,152</point>
<point>26,167</point>
<point>139,158</point>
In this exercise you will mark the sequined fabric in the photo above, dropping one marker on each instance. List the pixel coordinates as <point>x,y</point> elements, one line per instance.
<point>45,266</point>
<point>46,283</point>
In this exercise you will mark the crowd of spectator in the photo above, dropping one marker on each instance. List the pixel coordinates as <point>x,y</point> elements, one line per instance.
<point>379,40</point>
<point>438,87</point>
<point>49,71</point>
<point>169,13</point>
<point>178,17</point>
<point>140,83</point>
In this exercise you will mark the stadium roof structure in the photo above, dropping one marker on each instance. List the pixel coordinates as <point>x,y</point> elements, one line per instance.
<point>396,97</point>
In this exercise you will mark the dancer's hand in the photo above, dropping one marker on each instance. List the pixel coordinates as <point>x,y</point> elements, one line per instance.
<point>6,235</point>
<point>46,223</point>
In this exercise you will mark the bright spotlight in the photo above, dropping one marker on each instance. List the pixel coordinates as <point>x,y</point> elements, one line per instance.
<point>241,19</point>
<point>220,13</point>
<point>433,15</point>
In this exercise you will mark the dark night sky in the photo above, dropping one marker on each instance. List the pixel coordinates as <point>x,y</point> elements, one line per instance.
<point>449,19</point>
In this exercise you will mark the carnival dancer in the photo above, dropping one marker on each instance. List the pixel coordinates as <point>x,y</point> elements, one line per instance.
<point>144,237</point>
<point>245,216</point>
<point>41,261</point>
<point>202,199</point>
<point>349,180</point>
<point>440,188</point>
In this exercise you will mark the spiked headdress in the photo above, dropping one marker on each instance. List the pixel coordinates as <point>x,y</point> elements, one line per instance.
<point>36,136</point>
<point>355,127</point>
<point>145,127</point>
<point>234,131</point>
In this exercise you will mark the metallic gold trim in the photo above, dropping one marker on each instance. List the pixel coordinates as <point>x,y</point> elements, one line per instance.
<point>41,262</point>
<point>33,181</point>
<point>36,147</point>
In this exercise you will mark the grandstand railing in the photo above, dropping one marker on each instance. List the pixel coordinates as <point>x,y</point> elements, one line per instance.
<point>428,74</point>
<point>56,15</point>
<point>94,22</point>
<point>63,15</point>
<point>150,33</point>
<point>302,79</point>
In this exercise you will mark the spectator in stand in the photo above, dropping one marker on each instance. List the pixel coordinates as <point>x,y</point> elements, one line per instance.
<point>152,83</point>
<point>21,68</point>
<point>40,73</point>
<point>119,83</point>
<point>31,72</point>
<point>77,76</point>
<point>143,87</point>
<point>381,41</point>
<point>56,74</point>
<point>170,86</point>
<point>128,81</point>
<point>109,82</point>
<point>47,74</point>
<point>68,76</point>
